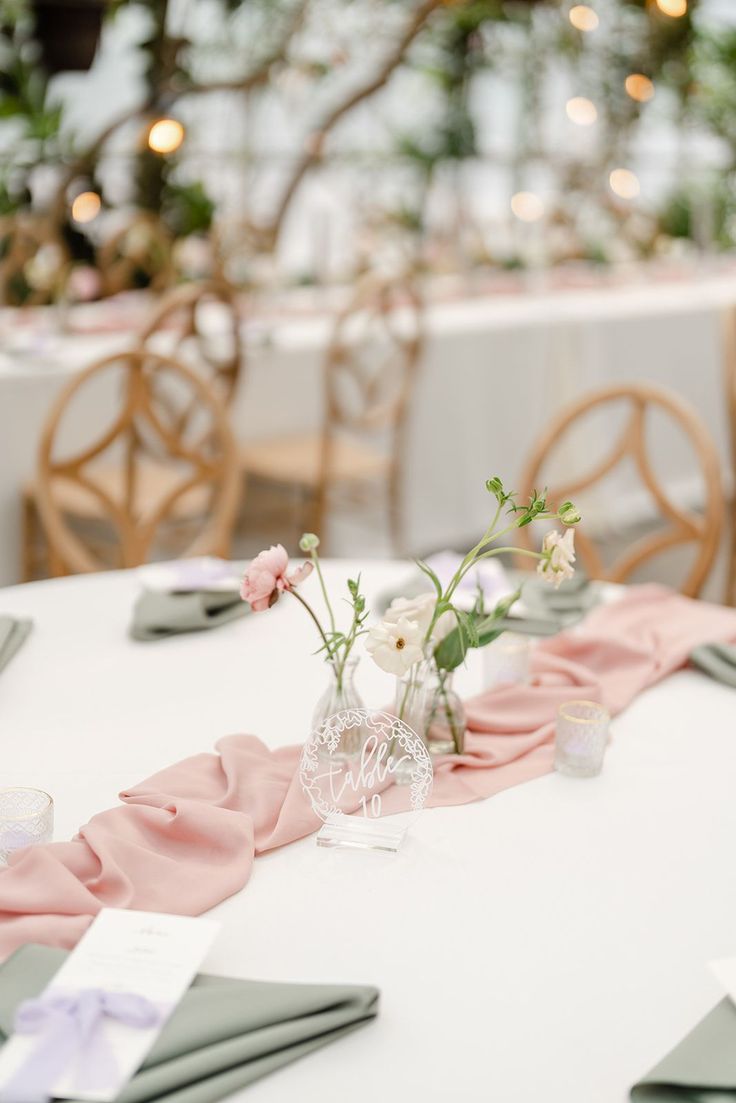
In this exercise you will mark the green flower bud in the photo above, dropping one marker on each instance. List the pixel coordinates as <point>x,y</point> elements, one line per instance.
<point>568,514</point>
<point>309,542</point>
<point>495,486</point>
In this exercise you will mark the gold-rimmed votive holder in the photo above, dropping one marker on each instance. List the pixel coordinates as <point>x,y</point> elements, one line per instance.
<point>26,819</point>
<point>581,737</point>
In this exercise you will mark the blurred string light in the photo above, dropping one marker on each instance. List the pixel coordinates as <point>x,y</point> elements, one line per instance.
<point>165,136</point>
<point>583,18</point>
<point>581,111</point>
<point>674,8</point>
<point>527,206</point>
<point>86,206</point>
<point>624,183</point>
<point>639,87</point>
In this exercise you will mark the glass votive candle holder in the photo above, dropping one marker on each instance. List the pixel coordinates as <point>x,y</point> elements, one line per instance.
<point>506,660</point>
<point>26,818</point>
<point>580,742</point>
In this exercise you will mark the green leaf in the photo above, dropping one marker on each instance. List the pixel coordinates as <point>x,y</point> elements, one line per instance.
<point>451,651</point>
<point>431,575</point>
<point>467,624</point>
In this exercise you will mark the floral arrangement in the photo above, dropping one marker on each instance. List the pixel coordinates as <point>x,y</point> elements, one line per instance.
<point>425,635</point>
<point>268,577</point>
<point>431,628</point>
<point>408,626</point>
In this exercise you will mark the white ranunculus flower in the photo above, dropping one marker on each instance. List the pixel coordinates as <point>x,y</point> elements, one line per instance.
<point>395,647</point>
<point>421,609</point>
<point>559,556</point>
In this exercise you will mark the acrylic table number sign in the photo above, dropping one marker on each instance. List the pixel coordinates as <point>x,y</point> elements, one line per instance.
<point>367,797</point>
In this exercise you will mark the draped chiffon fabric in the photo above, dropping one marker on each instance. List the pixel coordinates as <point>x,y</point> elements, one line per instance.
<point>186,839</point>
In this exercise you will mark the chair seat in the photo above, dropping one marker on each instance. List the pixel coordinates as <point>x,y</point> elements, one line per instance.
<point>297,459</point>
<point>155,481</point>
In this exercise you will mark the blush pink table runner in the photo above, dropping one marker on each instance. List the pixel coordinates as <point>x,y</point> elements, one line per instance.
<point>186,838</point>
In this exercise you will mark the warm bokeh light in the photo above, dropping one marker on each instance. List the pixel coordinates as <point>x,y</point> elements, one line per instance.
<point>527,206</point>
<point>86,206</point>
<point>624,183</point>
<point>639,87</point>
<point>581,111</point>
<point>675,8</point>
<point>583,18</point>
<point>165,136</point>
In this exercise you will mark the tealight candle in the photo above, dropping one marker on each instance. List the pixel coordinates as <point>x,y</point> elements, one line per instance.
<point>582,732</point>
<point>26,818</point>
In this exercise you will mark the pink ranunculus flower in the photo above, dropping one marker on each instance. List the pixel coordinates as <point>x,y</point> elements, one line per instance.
<point>266,578</point>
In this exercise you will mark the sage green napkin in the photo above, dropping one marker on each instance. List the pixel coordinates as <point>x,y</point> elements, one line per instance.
<point>223,1035</point>
<point>718,660</point>
<point>702,1069</point>
<point>13,634</point>
<point>158,614</point>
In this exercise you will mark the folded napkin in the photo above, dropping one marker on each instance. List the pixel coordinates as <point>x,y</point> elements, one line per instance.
<point>158,614</point>
<point>702,1069</point>
<point>718,660</point>
<point>13,634</point>
<point>223,1035</point>
<point>575,596</point>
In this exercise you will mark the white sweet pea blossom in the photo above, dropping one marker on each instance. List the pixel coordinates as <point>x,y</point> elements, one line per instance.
<point>559,556</point>
<point>421,610</point>
<point>395,647</point>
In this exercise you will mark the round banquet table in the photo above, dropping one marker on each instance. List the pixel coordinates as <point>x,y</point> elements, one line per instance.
<point>549,943</point>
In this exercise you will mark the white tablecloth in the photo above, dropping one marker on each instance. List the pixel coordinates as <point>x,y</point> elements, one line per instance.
<point>547,944</point>
<point>493,373</point>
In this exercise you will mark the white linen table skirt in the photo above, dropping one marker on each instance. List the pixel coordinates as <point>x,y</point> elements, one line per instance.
<point>494,372</point>
<point>549,943</point>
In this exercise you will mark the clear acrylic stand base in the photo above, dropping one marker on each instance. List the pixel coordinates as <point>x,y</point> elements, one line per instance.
<point>361,833</point>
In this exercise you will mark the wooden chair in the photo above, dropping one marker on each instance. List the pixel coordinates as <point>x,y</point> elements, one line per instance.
<point>139,254</point>
<point>24,238</point>
<point>369,373</point>
<point>215,353</point>
<point>681,526</point>
<point>159,481</point>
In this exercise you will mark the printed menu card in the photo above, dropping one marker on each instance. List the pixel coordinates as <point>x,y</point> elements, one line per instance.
<point>148,956</point>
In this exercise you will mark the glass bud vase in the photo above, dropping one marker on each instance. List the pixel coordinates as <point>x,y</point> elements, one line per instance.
<point>444,715</point>
<point>410,705</point>
<point>341,694</point>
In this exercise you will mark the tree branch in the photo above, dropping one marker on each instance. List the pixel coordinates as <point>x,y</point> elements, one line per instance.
<point>261,73</point>
<point>314,143</point>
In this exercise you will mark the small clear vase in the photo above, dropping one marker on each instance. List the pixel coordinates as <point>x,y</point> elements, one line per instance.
<point>445,714</point>
<point>340,695</point>
<point>410,705</point>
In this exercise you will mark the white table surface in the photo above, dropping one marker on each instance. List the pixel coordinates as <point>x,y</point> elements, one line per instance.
<point>547,944</point>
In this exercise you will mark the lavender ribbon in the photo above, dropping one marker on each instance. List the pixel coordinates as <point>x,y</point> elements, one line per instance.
<point>68,1024</point>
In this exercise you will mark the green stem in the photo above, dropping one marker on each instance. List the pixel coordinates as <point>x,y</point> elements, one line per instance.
<point>330,654</point>
<point>467,563</point>
<point>442,678</point>
<point>487,535</point>
<point>315,560</point>
<point>516,551</point>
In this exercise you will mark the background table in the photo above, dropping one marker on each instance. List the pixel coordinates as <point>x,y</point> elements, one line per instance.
<point>494,371</point>
<point>547,944</point>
